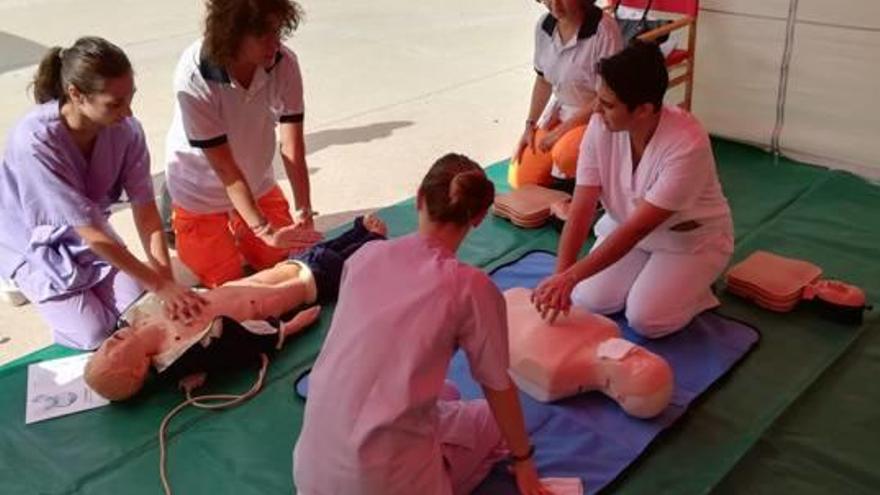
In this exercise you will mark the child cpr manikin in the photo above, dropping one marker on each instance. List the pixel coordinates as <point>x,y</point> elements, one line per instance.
<point>581,352</point>
<point>230,329</point>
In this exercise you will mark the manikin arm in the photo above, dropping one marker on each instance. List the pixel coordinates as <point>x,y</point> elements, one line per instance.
<point>269,293</point>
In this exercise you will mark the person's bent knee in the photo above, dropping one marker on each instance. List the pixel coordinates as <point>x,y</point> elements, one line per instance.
<point>565,151</point>
<point>532,168</point>
<point>592,298</point>
<point>653,324</point>
<point>220,273</point>
<point>85,334</point>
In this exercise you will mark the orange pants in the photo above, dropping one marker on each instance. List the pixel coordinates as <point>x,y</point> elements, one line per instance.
<point>535,167</point>
<point>216,245</point>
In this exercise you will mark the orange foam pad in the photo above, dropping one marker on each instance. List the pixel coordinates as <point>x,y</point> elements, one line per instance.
<point>772,281</point>
<point>528,206</point>
<point>773,305</point>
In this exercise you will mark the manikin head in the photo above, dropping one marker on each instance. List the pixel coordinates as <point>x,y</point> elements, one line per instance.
<point>640,382</point>
<point>248,31</point>
<point>455,193</point>
<point>633,83</point>
<point>118,369</point>
<point>93,77</point>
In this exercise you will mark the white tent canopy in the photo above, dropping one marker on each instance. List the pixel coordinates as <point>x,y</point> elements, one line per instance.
<point>800,77</point>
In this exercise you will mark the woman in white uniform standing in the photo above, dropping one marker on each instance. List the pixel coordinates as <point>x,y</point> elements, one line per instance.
<point>667,233</point>
<point>569,40</point>
<point>380,418</point>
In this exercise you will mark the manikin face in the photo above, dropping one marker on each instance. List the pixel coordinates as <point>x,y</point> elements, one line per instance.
<point>125,346</point>
<point>260,49</point>
<point>119,367</point>
<point>641,383</point>
<point>108,106</point>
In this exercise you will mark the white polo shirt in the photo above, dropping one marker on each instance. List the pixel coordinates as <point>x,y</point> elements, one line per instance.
<point>571,67</point>
<point>210,109</point>
<point>677,172</point>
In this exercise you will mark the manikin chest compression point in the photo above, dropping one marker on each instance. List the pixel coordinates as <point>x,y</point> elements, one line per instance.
<point>581,352</point>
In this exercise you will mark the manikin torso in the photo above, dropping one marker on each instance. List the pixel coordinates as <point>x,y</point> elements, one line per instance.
<point>582,352</point>
<point>250,299</point>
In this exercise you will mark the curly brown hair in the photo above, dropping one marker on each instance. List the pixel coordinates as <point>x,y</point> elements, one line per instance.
<point>228,21</point>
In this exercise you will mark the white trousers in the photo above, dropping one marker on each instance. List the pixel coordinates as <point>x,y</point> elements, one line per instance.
<point>661,291</point>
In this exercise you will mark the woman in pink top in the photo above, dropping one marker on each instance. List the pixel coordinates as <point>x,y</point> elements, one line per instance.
<point>379,419</point>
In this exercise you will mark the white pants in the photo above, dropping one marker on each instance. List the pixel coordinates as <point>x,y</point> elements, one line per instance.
<point>661,291</point>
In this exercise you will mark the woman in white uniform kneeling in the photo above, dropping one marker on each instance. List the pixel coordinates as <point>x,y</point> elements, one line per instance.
<point>379,418</point>
<point>667,233</point>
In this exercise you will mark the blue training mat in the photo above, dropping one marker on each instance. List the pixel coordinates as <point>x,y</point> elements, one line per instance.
<point>588,436</point>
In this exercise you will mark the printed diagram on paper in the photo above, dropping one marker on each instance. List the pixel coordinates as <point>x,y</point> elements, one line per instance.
<point>56,388</point>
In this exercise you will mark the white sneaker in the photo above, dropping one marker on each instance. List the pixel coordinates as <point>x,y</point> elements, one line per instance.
<point>10,294</point>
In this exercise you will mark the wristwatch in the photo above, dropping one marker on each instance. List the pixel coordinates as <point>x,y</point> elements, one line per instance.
<point>522,458</point>
<point>306,213</point>
<point>261,229</point>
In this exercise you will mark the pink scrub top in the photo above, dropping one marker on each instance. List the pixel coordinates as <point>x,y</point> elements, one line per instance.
<point>405,307</point>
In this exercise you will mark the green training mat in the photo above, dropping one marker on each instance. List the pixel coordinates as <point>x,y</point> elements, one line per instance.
<point>773,425</point>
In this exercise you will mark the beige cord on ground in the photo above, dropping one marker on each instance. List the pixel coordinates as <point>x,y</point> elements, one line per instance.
<point>223,401</point>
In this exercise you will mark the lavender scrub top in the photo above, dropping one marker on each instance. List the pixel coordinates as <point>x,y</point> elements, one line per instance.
<point>47,187</point>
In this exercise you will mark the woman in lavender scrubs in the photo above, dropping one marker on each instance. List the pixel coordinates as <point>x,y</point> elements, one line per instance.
<point>65,164</point>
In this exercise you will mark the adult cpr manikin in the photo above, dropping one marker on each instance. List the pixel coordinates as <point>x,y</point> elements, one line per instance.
<point>581,352</point>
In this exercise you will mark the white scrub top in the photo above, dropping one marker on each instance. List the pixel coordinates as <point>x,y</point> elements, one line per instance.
<point>677,172</point>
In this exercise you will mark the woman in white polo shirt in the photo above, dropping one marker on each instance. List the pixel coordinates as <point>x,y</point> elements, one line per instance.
<point>233,88</point>
<point>667,233</point>
<point>569,41</point>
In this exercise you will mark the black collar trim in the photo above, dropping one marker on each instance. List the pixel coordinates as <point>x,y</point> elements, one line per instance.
<point>549,24</point>
<point>278,57</point>
<point>592,18</point>
<point>212,72</point>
